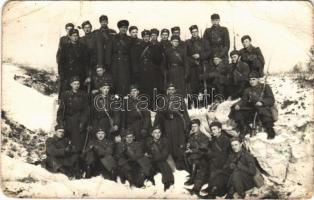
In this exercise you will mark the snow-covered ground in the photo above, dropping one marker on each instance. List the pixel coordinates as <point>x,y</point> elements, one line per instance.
<point>288,158</point>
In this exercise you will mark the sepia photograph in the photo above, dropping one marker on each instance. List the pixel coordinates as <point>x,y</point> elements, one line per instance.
<point>157,99</point>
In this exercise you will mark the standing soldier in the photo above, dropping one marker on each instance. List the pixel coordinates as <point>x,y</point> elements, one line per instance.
<point>74,61</point>
<point>196,148</point>
<point>164,35</point>
<point>177,65</point>
<point>177,31</point>
<point>104,114</point>
<point>118,59</point>
<point>257,100</point>
<point>157,149</point>
<point>252,56</point>
<point>237,76</point>
<point>73,113</point>
<point>174,121</point>
<point>103,36</point>
<point>89,41</point>
<point>217,39</point>
<point>64,39</point>
<point>62,156</point>
<point>133,31</point>
<point>154,33</point>
<point>136,117</point>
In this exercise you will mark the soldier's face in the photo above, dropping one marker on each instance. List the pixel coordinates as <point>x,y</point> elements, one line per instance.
<point>254,81</point>
<point>87,29</point>
<point>246,43</point>
<point>129,138</point>
<point>133,33</point>
<point>194,33</point>
<point>100,135</point>
<point>156,134</point>
<point>105,90</point>
<point>234,58</point>
<point>164,36</point>
<point>216,131</point>
<point>176,33</point>
<point>146,38</point>
<point>100,71</point>
<point>215,22</point>
<point>154,37</point>
<point>68,28</point>
<point>171,90</point>
<point>134,92</point>
<point>217,61</point>
<point>75,85</point>
<point>195,128</point>
<point>236,146</point>
<point>60,133</point>
<point>175,43</point>
<point>104,23</point>
<point>74,37</point>
<point>123,29</point>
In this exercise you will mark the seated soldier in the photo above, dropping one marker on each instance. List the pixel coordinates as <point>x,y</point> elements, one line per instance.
<point>241,167</point>
<point>157,150</point>
<point>62,156</point>
<point>100,77</point>
<point>99,156</point>
<point>217,156</point>
<point>132,164</point>
<point>256,101</point>
<point>196,148</point>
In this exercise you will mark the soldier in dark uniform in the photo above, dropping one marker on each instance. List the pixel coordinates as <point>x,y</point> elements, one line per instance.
<point>217,156</point>
<point>64,40</point>
<point>174,121</point>
<point>176,31</point>
<point>154,33</point>
<point>74,61</point>
<point>237,76</point>
<point>136,118</point>
<point>218,39</point>
<point>197,146</point>
<point>118,59</point>
<point>103,37</point>
<point>133,31</point>
<point>177,65</point>
<point>99,78</point>
<point>157,149</point>
<point>198,58</point>
<point>252,56</point>
<point>164,35</point>
<point>62,155</point>
<point>132,164</point>
<point>99,156</point>
<point>104,114</point>
<point>241,169</point>
<point>256,102</point>
<point>73,112</point>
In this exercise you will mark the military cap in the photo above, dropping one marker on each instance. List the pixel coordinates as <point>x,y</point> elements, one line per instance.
<point>170,85</point>
<point>73,31</point>
<point>234,52</point>
<point>235,139</point>
<point>154,128</point>
<point>145,32</point>
<point>86,23</point>
<point>216,55</point>
<point>175,37</point>
<point>196,121</point>
<point>218,124</point>
<point>59,126</point>
<point>69,25</point>
<point>99,130</point>
<point>126,132</point>
<point>253,74</point>
<point>164,30</point>
<point>193,27</point>
<point>176,28</point>
<point>122,23</point>
<point>215,16</point>
<point>133,86</point>
<point>99,66</point>
<point>103,18</point>
<point>244,37</point>
<point>103,84</point>
<point>154,31</point>
<point>74,78</point>
<point>132,28</point>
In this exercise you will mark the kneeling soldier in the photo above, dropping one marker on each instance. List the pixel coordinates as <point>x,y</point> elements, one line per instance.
<point>99,156</point>
<point>157,148</point>
<point>132,164</point>
<point>62,156</point>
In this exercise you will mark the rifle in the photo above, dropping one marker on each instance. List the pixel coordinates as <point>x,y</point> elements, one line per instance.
<point>204,71</point>
<point>234,39</point>
<point>90,112</point>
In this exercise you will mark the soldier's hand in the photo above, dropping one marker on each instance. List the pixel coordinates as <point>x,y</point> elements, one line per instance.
<point>115,128</point>
<point>91,146</point>
<point>237,107</point>
<point>196,56</point>
<point>81,126</point>
<point>87,80</point>
<point>117,139</point>
<point>67,149</point>
<point>259,103</point>
<point>94,91</point>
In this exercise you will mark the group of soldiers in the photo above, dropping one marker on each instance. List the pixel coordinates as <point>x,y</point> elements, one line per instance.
<point>104,127</point>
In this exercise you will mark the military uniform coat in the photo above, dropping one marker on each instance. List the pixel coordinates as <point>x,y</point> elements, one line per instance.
<point>254,58</point>
<point>103,37</point>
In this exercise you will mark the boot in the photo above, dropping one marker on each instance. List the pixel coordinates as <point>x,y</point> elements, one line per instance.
<point>167,185</point>
<point>270,131</point>
<point>88,172</point>
<point>192,176</point>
